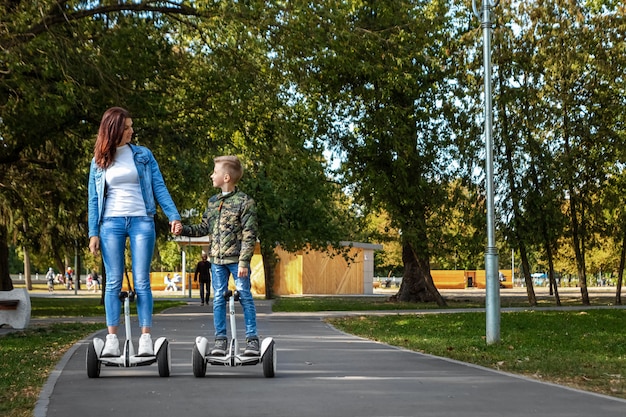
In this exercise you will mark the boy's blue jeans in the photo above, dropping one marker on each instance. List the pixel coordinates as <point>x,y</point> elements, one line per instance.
<point>220,275</point>
<point>113,232</point>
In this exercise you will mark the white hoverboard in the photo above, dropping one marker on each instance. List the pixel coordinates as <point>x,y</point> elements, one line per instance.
<point>128,358</point>
<point>201,356</point>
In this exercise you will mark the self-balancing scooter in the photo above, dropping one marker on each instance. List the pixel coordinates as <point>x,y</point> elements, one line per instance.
<point>128,358</point>
<point>201,356</point>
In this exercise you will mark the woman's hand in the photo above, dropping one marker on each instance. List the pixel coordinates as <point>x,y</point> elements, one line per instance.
<point>94,245</point>
<point>176,227</point>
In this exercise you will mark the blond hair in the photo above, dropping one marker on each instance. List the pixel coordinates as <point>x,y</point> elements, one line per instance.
<point>231,165</point>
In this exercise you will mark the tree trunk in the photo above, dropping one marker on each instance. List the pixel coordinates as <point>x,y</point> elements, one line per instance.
<point>553,283</point>
<point>417,283</point>
<point>579,246</point>
<point>530,289</point>
<point>269,266</point>
<point>77,267</point>
<point>579,252</point>
<point>5,279</point>
<point>620,272</point>
<point>27,280</point>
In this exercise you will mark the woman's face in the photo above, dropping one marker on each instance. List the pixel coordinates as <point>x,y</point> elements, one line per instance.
<point>128,131</point>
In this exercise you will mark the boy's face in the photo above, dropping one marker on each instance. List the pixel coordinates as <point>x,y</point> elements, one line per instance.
<point>219,176</point>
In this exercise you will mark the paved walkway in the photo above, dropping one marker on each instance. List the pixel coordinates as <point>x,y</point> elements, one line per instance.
<point>320,372</point>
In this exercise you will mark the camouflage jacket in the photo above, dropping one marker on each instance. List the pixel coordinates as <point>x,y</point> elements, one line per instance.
<point>230,222</point>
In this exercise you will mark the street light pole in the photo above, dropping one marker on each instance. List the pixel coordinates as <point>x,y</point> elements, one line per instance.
<point>492,297</point>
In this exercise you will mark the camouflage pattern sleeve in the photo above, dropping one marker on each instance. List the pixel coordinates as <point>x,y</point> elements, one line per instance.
<point>201,229</point>
<point>249,226</point>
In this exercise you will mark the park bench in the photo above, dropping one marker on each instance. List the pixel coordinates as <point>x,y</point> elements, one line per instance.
<point>15,308</point>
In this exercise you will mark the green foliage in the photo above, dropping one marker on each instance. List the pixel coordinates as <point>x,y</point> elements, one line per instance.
<point>391,89</point>
<point>170,257</point>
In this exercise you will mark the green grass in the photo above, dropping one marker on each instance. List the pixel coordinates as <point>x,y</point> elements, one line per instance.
<point>377,303</point>
<point>27,357</point>
<point>310,304</point>
<point>43,307</point>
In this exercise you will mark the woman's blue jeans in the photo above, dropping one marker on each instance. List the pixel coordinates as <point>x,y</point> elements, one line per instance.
<point>141,233</point>
<point>220,275</point>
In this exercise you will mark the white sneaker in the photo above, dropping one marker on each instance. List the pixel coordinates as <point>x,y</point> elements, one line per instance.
<point>111,346</point>
<point>145,345</point>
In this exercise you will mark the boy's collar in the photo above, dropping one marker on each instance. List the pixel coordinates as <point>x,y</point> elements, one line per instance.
<point>228,194</point>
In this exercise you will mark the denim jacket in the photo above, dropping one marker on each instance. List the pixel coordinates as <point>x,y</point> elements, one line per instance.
<point>151,183</point>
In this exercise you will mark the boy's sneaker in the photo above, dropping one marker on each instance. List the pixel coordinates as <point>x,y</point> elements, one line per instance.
<point>220,347</point>
<point>145,345</point>
<point>252,347</point>
<point>111,346</point>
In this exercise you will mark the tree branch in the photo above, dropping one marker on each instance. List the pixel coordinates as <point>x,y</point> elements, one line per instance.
<point>55,19</point>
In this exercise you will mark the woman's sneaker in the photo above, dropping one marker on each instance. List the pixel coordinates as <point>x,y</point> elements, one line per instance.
<point>252,347</point>
<point>220,347</point>
<point>111,346</point>
<point>145,345</point>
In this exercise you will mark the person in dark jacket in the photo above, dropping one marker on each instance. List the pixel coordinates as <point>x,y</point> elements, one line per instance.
<point>203,271</point>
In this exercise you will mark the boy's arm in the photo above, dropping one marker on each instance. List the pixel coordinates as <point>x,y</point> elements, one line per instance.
<point>249,227</point>
<point>201,229</point>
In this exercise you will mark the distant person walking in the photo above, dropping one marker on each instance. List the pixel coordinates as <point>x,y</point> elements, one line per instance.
<point>50,279</point>
<point>69,278</point>
<point>203,271</point>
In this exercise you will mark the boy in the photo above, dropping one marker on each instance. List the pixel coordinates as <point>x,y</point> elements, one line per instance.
<point>230,222</point>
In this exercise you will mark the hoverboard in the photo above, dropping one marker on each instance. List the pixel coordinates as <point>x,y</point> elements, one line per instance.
<point>128,358</point>
<point>201,351</point>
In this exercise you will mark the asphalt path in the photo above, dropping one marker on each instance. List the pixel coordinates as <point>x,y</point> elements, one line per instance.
<point>321,371</point>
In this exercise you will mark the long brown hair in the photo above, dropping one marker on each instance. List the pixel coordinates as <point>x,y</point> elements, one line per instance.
<point>110,135</point>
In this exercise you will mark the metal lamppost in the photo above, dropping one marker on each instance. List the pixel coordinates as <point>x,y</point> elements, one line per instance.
<point>492,298</point>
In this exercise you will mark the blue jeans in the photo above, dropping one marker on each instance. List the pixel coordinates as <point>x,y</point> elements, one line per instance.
<point>220,275</point>
<point>113,233</point>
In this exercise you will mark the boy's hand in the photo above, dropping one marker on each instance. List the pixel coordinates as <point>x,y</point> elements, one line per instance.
<point>242,272</point>
<point>176,227</point>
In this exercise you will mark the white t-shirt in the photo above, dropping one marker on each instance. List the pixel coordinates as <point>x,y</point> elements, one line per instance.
<point>123,195</point>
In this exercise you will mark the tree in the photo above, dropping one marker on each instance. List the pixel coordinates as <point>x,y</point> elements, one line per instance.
<point>252,113</point>
<point>379,68</point>
<point>63,63</point>
<point>581,105</point>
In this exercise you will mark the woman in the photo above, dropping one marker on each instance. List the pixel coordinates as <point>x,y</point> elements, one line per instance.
<point>125,184</point>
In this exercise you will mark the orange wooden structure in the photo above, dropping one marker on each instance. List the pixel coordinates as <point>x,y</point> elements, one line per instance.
<point>311,272</point>
<point>459,279</point>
